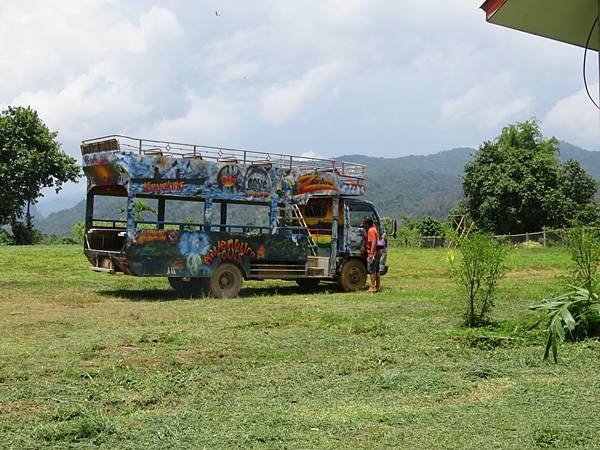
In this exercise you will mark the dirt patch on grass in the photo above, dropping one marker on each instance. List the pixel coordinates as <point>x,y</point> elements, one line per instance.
<point>483,391</point>
<point>23,409</point>
<point>535,273</point>
<point>128,347</point>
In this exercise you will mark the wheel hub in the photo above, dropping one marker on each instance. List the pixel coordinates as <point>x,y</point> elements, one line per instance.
<point>354,275</point>
<point>225,281</point>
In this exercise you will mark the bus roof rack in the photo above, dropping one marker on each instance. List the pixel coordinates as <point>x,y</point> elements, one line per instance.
<point>150,147</point>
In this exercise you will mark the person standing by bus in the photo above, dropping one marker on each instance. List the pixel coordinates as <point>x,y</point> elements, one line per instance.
<point>373,254</point>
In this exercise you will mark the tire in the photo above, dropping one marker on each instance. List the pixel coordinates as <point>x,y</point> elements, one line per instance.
<point>189,287</point>
<point>226,281</point>
<point>353,275</point>
<point>308,284</point>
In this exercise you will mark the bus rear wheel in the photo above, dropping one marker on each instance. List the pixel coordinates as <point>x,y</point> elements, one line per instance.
<point>226,281</point>
<point>353,275</point>
<point>189,287</point>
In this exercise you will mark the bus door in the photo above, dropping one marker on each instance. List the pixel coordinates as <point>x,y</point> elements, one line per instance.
<point>352,233</point>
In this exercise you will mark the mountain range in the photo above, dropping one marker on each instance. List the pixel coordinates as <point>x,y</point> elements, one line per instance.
<point>408,185</point>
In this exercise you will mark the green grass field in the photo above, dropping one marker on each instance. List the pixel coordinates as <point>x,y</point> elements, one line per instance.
<point>89,359</point>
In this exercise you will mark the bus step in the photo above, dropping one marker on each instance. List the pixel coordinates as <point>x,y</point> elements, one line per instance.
<point>316,272</point>
<point>317,261</point>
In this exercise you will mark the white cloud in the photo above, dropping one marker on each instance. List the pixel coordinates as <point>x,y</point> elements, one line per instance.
<point>312,154</point>
<point>155,24</point>
<point>282,102</point>
<point>97,102</point>
<point>488,105</point>
<point>207,119</point>
<point>44,44</point>
<point>575,119</point>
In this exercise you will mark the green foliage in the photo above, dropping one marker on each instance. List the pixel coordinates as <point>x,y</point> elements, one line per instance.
<point>51,239</point>
<point>78,232</point>
<point>574,315</point>
<point>408,235</point>
<point>30,160</point>
<point>477,273</point>
<point>517,184</point>
<point>388,225</point>
<point>5,237</point>
<point>589,214</point>
<point>428,226</point>
<point>25,234</point>
<point>140,210</point>
<point>584,244</point>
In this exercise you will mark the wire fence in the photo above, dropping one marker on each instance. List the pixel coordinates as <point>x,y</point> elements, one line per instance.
<point>544,238</point>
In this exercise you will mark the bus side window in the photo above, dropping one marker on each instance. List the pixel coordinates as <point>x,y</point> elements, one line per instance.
<point>358,212</point>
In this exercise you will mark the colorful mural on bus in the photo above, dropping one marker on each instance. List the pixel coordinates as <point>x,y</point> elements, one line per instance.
<point>165,175</point>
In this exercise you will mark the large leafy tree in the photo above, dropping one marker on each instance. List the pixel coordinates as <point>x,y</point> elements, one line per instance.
<point>517,184</point>
<point>30,160</point>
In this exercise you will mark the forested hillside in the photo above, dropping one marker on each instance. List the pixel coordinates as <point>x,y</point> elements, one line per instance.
<point>409,185</point>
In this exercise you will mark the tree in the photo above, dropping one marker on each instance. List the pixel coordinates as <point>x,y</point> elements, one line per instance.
<point>517,184</point>
<point>30,160</point>
<point>429,227</point>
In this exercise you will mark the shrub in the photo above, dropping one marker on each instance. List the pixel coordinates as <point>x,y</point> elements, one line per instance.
<point>52,239</point>
<point>409,235</point>
<point>584,244</point>
<point>428,226</point>
<point>5,237</point>
<point>24,234</point>
<point>78,232</point>
<point>576,314</point>
<point>477,273</point>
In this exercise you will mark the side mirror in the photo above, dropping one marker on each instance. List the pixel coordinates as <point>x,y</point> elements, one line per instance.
<point>394,228</point>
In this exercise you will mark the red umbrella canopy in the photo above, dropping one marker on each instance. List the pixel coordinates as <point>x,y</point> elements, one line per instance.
<point>567,21</point>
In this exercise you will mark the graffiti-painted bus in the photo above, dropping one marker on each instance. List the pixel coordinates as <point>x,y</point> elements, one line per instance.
<point>305,216</point>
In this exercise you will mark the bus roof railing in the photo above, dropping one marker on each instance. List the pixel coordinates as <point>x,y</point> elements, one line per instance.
<point>117,142</point>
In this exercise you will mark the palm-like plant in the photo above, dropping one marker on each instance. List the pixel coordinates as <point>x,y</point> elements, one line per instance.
<point>574,315</point>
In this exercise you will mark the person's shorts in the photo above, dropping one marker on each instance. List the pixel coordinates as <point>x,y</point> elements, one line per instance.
<point>373,266</point>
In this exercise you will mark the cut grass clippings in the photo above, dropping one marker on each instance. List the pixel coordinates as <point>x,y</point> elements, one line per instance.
<point>88,359</point>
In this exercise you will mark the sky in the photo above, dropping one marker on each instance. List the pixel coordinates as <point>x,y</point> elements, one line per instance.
<point>384,78</point>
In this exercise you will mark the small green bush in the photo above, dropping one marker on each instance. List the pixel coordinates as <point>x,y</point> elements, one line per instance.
<point>5,237</point>
<point>584,244</point>
<point>429,227</point>
<point>24,234</point>
<point>477,273</point>
<point>576,314</point>
<point>78,232</point>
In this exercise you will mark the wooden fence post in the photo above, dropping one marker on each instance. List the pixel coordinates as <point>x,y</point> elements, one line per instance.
<point>544,238</point>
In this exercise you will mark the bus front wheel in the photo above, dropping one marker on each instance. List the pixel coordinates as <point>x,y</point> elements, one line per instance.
<point>353,275</point>
<point>226,281</point>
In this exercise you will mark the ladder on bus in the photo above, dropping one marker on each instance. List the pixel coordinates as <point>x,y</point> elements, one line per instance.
<point>297,217</point>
